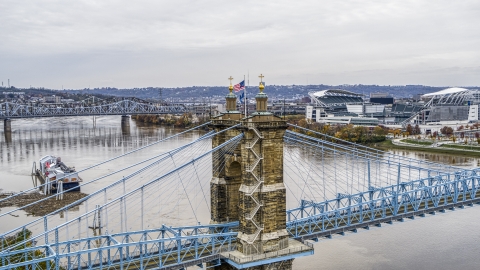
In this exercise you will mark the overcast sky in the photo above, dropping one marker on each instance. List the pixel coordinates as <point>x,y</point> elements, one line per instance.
<point>122,44</point>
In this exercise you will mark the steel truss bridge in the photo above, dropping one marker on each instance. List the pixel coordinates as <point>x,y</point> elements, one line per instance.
<point>333,187</point>
<point>123,107</point>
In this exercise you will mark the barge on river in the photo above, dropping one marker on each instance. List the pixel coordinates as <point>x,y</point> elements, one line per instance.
<point>57,176</point>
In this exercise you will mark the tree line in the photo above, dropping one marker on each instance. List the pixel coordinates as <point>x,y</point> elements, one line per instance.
<point>351,133</point>
<point>183,121</point>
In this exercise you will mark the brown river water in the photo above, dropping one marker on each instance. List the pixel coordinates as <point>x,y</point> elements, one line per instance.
<point>444,241</point>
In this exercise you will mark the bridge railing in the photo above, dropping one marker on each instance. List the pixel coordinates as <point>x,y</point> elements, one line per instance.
<point>114,212</point>
<point>439,183</point>
<point>347,212</point>
<point>155,247</point>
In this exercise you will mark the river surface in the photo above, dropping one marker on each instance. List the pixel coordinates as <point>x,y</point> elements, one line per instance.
<point>445,241</point>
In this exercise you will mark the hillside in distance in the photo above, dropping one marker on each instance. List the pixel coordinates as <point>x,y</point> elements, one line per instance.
<point>205,93</point>
<point>273,91</point>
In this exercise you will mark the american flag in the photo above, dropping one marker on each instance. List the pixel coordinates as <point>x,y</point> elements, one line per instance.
<point>239,86</point>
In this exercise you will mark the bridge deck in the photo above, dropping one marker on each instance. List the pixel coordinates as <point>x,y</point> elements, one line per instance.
<point>348,220</point>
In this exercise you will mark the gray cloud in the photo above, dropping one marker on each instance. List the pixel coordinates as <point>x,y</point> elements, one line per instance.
<point>178,43</point>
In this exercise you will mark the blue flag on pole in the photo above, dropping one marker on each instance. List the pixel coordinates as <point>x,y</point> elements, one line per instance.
<point>242,96</point>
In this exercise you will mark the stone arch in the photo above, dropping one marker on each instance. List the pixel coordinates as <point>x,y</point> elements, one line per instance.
<point>233,179</point>
<point>233,170</point>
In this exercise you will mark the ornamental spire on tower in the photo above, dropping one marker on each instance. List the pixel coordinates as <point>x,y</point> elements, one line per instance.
<point>261,87</point>
<point>261,97</point>
<point>231,86</point>
<point>231,98</point>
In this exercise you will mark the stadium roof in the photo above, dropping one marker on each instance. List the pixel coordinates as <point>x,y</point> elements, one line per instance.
<point>449,96</point>
<point>335,92</point>
<point>447,91</point>
<point>335,98</point>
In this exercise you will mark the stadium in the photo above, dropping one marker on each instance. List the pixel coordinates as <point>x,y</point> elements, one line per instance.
<point>336,106</point>
<point>335,99</point>
<point>451,105</point>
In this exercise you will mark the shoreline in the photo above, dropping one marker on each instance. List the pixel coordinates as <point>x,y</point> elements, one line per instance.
<point>389,145</point>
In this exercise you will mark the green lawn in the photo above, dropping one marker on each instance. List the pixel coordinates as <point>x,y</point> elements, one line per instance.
<point>416,142</point>
<point>458,146</point>
<point>387,145</point>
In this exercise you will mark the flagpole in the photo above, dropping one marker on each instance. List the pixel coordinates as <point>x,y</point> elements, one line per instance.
<point>245,96</point>
<point>246,108</point>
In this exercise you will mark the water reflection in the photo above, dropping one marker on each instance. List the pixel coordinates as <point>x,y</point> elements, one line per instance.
<point>8,137</point>
<point>26,143</point>
<point>76,139</point>
<point>454,160</point>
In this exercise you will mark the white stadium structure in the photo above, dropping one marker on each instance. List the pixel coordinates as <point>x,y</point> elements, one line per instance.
<point>337,106</point>
<point>450,96</point>
<point>335,98</point>
<point>451,105</point>
<point>448,106</point>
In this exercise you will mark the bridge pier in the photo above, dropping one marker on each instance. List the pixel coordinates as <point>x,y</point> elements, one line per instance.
<point>7,125</point>
<point>7,130</point>
<point>8,137</point>
<point>250,189</point>
<point>126,124</point>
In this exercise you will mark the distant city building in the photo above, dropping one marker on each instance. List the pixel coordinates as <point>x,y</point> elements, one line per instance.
<point>379,95</point>
<point>67,100</point>
<point>306,100</point>
<point>53,99</point>
<point>315,113</point>
<point>381,98</point>
<point>14,93</point>
<point>366,109</point>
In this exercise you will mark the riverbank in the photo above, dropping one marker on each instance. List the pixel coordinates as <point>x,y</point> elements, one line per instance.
<point>388,144</point>
<point>42,208</point>
<point>186,120</point>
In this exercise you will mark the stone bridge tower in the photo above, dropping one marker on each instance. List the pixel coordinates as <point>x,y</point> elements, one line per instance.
<point>251,190</point>
<point>226,182</point>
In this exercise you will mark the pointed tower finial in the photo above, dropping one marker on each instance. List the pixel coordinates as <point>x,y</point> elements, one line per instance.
<point>231,86</point>
<point>231,98</point>
<point>261,97</point>
<point>261,87</point>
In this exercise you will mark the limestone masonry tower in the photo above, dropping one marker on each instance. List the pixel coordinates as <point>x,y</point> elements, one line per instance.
<point>251,190</point>
<point>225,183</point>
<point>262,193</point>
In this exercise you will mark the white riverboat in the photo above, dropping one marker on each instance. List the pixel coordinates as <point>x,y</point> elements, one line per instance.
<point>57,175</point>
